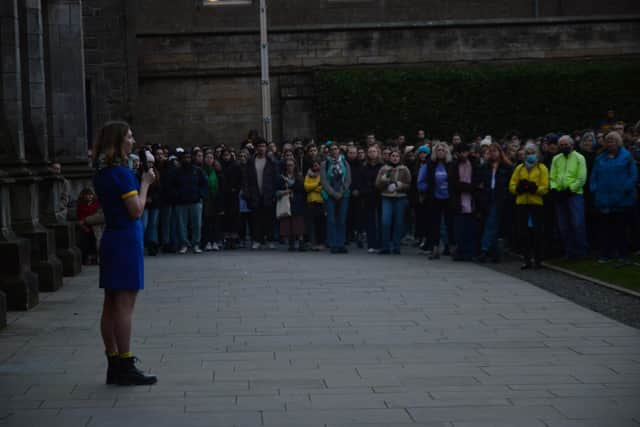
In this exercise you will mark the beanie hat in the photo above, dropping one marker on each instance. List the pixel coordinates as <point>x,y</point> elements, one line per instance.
<point>424,149</point>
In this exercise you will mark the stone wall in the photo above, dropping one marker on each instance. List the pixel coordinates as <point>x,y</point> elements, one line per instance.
<point>206,67</point>
<point>170,16</point>
<point>110,65</point>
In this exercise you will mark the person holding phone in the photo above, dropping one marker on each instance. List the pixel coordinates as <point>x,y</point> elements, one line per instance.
<point>123,199</point>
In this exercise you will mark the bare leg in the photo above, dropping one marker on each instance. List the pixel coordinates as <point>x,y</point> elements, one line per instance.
<point>107,324</point>
<point>125,302</point>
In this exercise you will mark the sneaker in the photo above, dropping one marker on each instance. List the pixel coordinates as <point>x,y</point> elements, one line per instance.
<point>396,251</point>
<point>208,247</point>
<point>183,250</point>
<point>215,247</point>
<point>372,251</point>
<point>271,245</point>
<point>197,250</point>
<point>483,257</point>
<point>255,246</point>
<point>623,262</point>
<point>603,260</point>
<point>343,250</point>
<point>129,374</point>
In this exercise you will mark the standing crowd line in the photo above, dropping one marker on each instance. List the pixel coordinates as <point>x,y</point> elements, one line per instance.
<point>467,200</point>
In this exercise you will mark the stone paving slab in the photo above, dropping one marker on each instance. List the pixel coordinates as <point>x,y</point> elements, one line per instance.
<point>290,339</point>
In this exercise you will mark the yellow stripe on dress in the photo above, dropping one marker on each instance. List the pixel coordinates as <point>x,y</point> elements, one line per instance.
<point>129,194</point>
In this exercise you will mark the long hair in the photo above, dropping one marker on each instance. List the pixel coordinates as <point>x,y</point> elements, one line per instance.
<point>438,144</point>
<point>504,160</point>
<point>109,141</point>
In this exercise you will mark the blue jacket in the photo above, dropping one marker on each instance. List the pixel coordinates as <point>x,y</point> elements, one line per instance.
<point>613,181</point>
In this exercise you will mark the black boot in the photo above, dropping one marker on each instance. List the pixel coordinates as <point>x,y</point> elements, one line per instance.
<point>130,375</point>
<point>113,365</point>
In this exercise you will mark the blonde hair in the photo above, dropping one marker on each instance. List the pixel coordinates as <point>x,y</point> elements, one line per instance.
<point>434,149</point>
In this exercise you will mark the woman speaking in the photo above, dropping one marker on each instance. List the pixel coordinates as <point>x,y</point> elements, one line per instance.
<point>121,248</point>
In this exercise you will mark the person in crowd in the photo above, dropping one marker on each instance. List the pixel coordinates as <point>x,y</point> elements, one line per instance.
<point>259,190</point>
<point>315,216</point>
<point>198,157</point>
<point>249,143</point>
<point>245,212</point>
<point>121,248</point>
<point>355,230</point>
<point>494,178</point>
<point>291,185</point>
<point>438,195</point>
<point>87,206</point>
<point>231,187</point>
<point>362,155</point>
<point>212,205</point>
<point>529,183</point>
<point>310,155</point>
<point>588,146</point>
<point>62,206</point>
<point>568,175</point>
<point>168,230</point>
<point>386,151</point>
<point>190,188</point>
<point>152,209</point>
<point>422,197</point>
<point>606,125</point>
<point>614,181</point>
<point>370,197</point>
<point>393,181</point>
<point>462,188</point>
<point>335,177</point>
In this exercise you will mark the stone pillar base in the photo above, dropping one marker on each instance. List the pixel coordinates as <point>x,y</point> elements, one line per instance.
<point>17,281</point>
<point>3,310</point>
<point>44,262</point>
<point>69,254</point>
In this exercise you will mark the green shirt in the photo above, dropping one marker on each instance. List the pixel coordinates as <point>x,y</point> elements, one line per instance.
<point>568,172</point>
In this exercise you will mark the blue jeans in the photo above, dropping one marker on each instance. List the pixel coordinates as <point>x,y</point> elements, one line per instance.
<point>152,225</point>
<point>393,210</point>
<point>571,224</point>
<point>336,221</point>
<point>373,227</point>
<point>165,224</point>
<point>189,215</point>
<point>491,230</point>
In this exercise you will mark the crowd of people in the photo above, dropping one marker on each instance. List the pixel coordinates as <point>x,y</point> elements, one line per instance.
<point>459,198</point>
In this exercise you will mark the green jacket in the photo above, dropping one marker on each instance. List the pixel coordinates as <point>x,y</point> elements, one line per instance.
<point>568,172</point>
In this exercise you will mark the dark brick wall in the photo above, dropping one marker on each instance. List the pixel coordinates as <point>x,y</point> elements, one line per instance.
<point>109,49</point>
<point>161,16</point>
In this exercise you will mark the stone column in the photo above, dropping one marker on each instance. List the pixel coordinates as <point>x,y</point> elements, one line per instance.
<point>36,134</point>
<point>17,281</point>
<point>23,195</point>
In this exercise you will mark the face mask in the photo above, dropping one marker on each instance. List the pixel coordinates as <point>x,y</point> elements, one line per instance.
<point>565,150</point>
<point>531,159</point>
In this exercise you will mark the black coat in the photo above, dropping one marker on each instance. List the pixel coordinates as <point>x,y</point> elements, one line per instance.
<point>367,185</point>
<point>456,188</point>
<point>269,184</point>
<point>189,185</point>
<point>501,190</point>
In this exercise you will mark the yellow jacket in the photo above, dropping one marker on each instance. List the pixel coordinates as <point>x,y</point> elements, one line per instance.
<point>539,175</point>
<point>313,188</point>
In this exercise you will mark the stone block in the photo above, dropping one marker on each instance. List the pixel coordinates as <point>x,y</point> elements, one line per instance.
<point>66,250</point>
<point>17,281</point>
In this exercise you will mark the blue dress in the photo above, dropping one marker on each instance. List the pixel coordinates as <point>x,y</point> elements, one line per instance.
<point>121,247</point>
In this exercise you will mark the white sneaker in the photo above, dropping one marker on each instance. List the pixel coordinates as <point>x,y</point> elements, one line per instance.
<point>197,250</point>
<point>215,247</point>
<point>272,245</point>
<point>255,246</point>
<point>183,250</point>
<point>208,247</point>
<point>372,251</point>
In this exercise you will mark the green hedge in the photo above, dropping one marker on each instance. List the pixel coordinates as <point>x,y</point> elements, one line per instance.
<point>475,99</point>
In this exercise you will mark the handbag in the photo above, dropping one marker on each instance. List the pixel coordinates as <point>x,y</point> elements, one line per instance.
<point>283,207</point>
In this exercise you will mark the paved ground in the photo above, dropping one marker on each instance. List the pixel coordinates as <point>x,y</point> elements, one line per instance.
<point>279,339</point>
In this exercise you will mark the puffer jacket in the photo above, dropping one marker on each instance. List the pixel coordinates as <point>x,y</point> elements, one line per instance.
<point>613,181</point>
